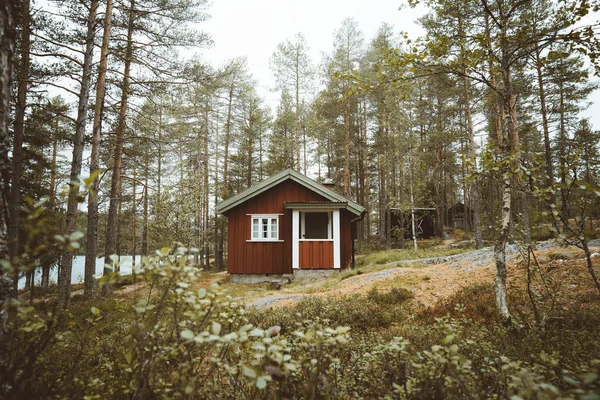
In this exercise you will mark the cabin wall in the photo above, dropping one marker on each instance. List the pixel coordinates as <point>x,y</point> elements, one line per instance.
<point>266,257</point>
<point>316,254</point>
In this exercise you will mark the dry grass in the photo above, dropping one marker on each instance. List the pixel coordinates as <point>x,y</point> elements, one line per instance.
<point>432,284</point>
<point>564,273</point>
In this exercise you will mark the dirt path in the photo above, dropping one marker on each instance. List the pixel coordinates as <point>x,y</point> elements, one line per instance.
<point>439,279</point>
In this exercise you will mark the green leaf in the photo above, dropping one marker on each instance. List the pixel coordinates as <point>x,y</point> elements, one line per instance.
<point>95,311</point>
<point>76,236</point>
<point>187,334</point>
<point>249,372</point>
<point>89,180</point>
<point>261,383</point>
<point>128,357</point>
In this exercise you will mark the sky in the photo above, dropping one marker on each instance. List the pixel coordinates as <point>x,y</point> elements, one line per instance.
<point>254,28</point>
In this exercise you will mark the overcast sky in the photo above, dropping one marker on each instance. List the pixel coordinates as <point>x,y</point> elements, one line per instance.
<point>253,28</point>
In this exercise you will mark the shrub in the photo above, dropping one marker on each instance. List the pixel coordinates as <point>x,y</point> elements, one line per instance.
<point>186,342</point>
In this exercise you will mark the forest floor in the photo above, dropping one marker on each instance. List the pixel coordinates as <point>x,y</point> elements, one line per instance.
<point>434,279</point>
<point>431,279</point>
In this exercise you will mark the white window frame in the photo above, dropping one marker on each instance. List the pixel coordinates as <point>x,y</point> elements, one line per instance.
<point>303,226</point>
<point>272,228</point>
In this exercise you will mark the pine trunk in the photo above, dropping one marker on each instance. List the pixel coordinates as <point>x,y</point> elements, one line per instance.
<point>19,127</point>
<point>66,263</point>
<point>347,147</point>
<point>544,112</point>
<point>206,190</point>
<point>297,116</point>
<point>475,198</point>
<point>8,13</point>
<point>225,187</point>
<point>115,188</point>
<point>89,289</point>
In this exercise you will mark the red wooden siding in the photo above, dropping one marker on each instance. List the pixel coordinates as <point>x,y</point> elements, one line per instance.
<point>265,257</point>
<point>316,254</point>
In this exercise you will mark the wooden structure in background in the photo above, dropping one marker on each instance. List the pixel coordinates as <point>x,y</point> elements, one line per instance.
<point>425,222</point>
<point>459,216</point>
<point>289,222</point>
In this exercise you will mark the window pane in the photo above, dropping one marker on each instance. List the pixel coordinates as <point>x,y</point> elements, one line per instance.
<point>255,228</point>
<point>273,228</point>
<point>316,225</point>
<point>265,228</point>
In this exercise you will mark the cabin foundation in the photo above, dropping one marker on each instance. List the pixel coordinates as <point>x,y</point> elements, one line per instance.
<point>250,279</point>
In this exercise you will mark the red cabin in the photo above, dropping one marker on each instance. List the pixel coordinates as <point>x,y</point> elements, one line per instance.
<point>289,224</point>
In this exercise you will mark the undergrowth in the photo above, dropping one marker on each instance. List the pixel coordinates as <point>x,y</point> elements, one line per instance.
<point>181,341</point>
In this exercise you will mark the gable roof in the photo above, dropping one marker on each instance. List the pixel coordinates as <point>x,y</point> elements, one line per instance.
<point>295,176</point>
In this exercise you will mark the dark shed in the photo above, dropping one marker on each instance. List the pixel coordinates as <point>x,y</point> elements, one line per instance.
<point>424,223</point>
<point>459,216</point>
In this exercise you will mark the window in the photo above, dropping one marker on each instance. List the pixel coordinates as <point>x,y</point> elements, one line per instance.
<point>315,226</point>
<point>265,227</point>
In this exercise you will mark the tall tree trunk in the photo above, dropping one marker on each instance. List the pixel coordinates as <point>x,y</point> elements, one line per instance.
<point>562,152</point>
<point>250,145</point>
<point>475,198</point>
<point>206,190</point>
<point>66,264</point>
<point>19,127</point>
<point>500,252</point>
<point>144,249</point>
<point>347,147</point>
<point>544,112</point>
<point>198,224</point>
<point>115,188</point>
<point>412,210</point>
<point>9,10</point>
<point>297,116</point>
<point>133,218</point>
<point>260,153</point>
<point>45,275</point>
<point>89,288</point>
<point>225,187</point>
<point>52,188</point>
<point>366,203</point>
<point>218,235</point>
<point>504,148</point>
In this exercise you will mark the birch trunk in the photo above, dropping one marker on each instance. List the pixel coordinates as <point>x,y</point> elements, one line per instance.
<point>500,253</point>
<point>503,147</point>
